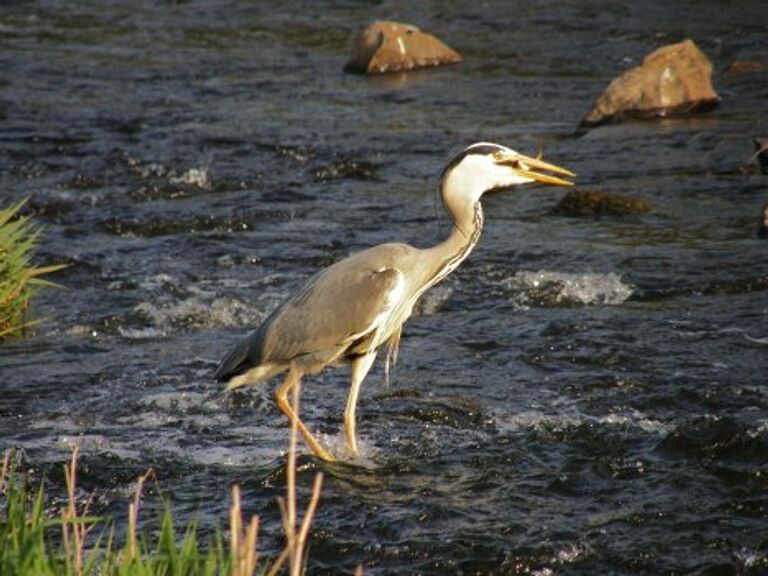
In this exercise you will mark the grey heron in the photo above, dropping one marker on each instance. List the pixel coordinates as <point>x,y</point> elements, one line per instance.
<point>351,309</point>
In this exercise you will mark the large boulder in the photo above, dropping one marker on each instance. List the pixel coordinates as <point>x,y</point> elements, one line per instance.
<point>394,47</point>
<point>675,79</point>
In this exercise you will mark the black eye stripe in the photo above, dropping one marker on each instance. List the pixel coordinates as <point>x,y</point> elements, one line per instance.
<point>481,149</point>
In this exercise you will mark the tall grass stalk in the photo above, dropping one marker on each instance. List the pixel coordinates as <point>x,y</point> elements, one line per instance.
<point>295,540</point>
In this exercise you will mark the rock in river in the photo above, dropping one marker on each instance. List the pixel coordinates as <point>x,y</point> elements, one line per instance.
<point>761,153</point>
<point>395,47</point>
<point>762,231</point>
<point>592,202</point>
<point>675,79</point>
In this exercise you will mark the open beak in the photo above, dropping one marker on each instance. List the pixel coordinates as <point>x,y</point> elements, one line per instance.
<point>536,169</point>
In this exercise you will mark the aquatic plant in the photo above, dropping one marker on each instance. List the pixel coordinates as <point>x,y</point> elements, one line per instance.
<point>19,279</point>
<point>34,543</point>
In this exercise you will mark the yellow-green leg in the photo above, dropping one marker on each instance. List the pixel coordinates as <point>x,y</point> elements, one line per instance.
<point>360,367</point>
<point>281,397</point>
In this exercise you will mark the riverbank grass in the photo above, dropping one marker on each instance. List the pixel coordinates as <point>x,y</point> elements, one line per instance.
<point>19,279</point>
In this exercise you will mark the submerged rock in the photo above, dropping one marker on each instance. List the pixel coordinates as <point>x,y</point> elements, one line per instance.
<point>394,47</point>
<point>716,438</point>
<point>594,202</point>
<point>762,231</point>
<point>675,79</point>
<point>761,153</point>
<point>744,66</point>
<point>342,169</point>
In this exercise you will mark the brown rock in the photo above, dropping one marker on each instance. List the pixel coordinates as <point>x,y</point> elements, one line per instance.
<point>393,47</point>
<point>675,79</point>
<point>596,202</point>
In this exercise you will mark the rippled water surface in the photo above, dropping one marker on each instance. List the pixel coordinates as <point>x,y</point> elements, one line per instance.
<point>584,395</point>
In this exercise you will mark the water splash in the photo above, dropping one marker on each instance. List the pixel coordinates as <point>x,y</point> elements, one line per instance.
<point>199,177</point>
<point>549,288</point>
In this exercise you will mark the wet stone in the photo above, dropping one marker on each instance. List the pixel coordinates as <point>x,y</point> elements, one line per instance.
<point>195,223</point>
<point>84,182</point>
<point>301,154</point>
<point>744,66</point>
<point>459,413</point>
<point>715,437</point>
<point>761,153</point>
<point>345,169</point>
<point>395,47</point>
<point>399,393</point>
<point>597,202</point>
<point>762,231</point>
<point>675,79</point>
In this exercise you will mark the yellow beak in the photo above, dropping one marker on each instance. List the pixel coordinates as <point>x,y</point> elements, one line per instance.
<point>527,167</point>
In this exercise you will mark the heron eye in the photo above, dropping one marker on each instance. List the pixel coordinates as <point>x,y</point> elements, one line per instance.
<point>498,156</point>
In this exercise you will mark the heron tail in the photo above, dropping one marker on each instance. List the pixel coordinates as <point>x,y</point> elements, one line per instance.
<point>236,362</point>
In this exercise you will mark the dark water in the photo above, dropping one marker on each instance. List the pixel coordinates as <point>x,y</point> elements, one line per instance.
<point>584,395</point>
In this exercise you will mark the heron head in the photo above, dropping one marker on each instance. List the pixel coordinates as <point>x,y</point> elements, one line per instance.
<point>484,166</point>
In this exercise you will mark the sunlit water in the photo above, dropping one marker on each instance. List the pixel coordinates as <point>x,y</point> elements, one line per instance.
<point>584,395</point>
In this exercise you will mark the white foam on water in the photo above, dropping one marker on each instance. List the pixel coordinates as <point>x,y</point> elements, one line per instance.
<point>141,333</point>
<point>221,312</point>
<point>336,444</point>
<point>536,419</point>
<point>763,341</point>
<point>635,419</point>
<point>199,177</point>
<point>545,287</point>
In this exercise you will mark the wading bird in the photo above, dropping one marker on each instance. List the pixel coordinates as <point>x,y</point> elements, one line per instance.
<point>349,310</point>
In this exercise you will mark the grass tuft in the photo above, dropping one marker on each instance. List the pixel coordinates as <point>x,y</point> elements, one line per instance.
<point>19,279</point>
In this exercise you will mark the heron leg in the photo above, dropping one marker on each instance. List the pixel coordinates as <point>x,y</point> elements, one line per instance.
<point>360,367</point>
<point>281,397</point>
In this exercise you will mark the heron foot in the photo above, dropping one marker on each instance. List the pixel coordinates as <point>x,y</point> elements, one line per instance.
<point>318,450</point>
<point>349,434</point>
<point>309,438</point>
<point>282,402</point>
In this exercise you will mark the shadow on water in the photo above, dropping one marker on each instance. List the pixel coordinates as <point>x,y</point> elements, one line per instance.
<point>584,395</point>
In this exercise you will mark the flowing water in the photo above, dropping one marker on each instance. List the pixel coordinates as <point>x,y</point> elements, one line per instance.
<point>584,395</point>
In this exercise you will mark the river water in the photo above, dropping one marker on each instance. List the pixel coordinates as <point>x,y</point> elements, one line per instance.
<point>583,396</point>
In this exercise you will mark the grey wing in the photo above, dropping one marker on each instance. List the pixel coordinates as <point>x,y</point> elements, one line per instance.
<point>341,306</point>
<point>335,309</point>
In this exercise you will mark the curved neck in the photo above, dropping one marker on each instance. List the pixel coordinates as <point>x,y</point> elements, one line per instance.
<point>445,257</point>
